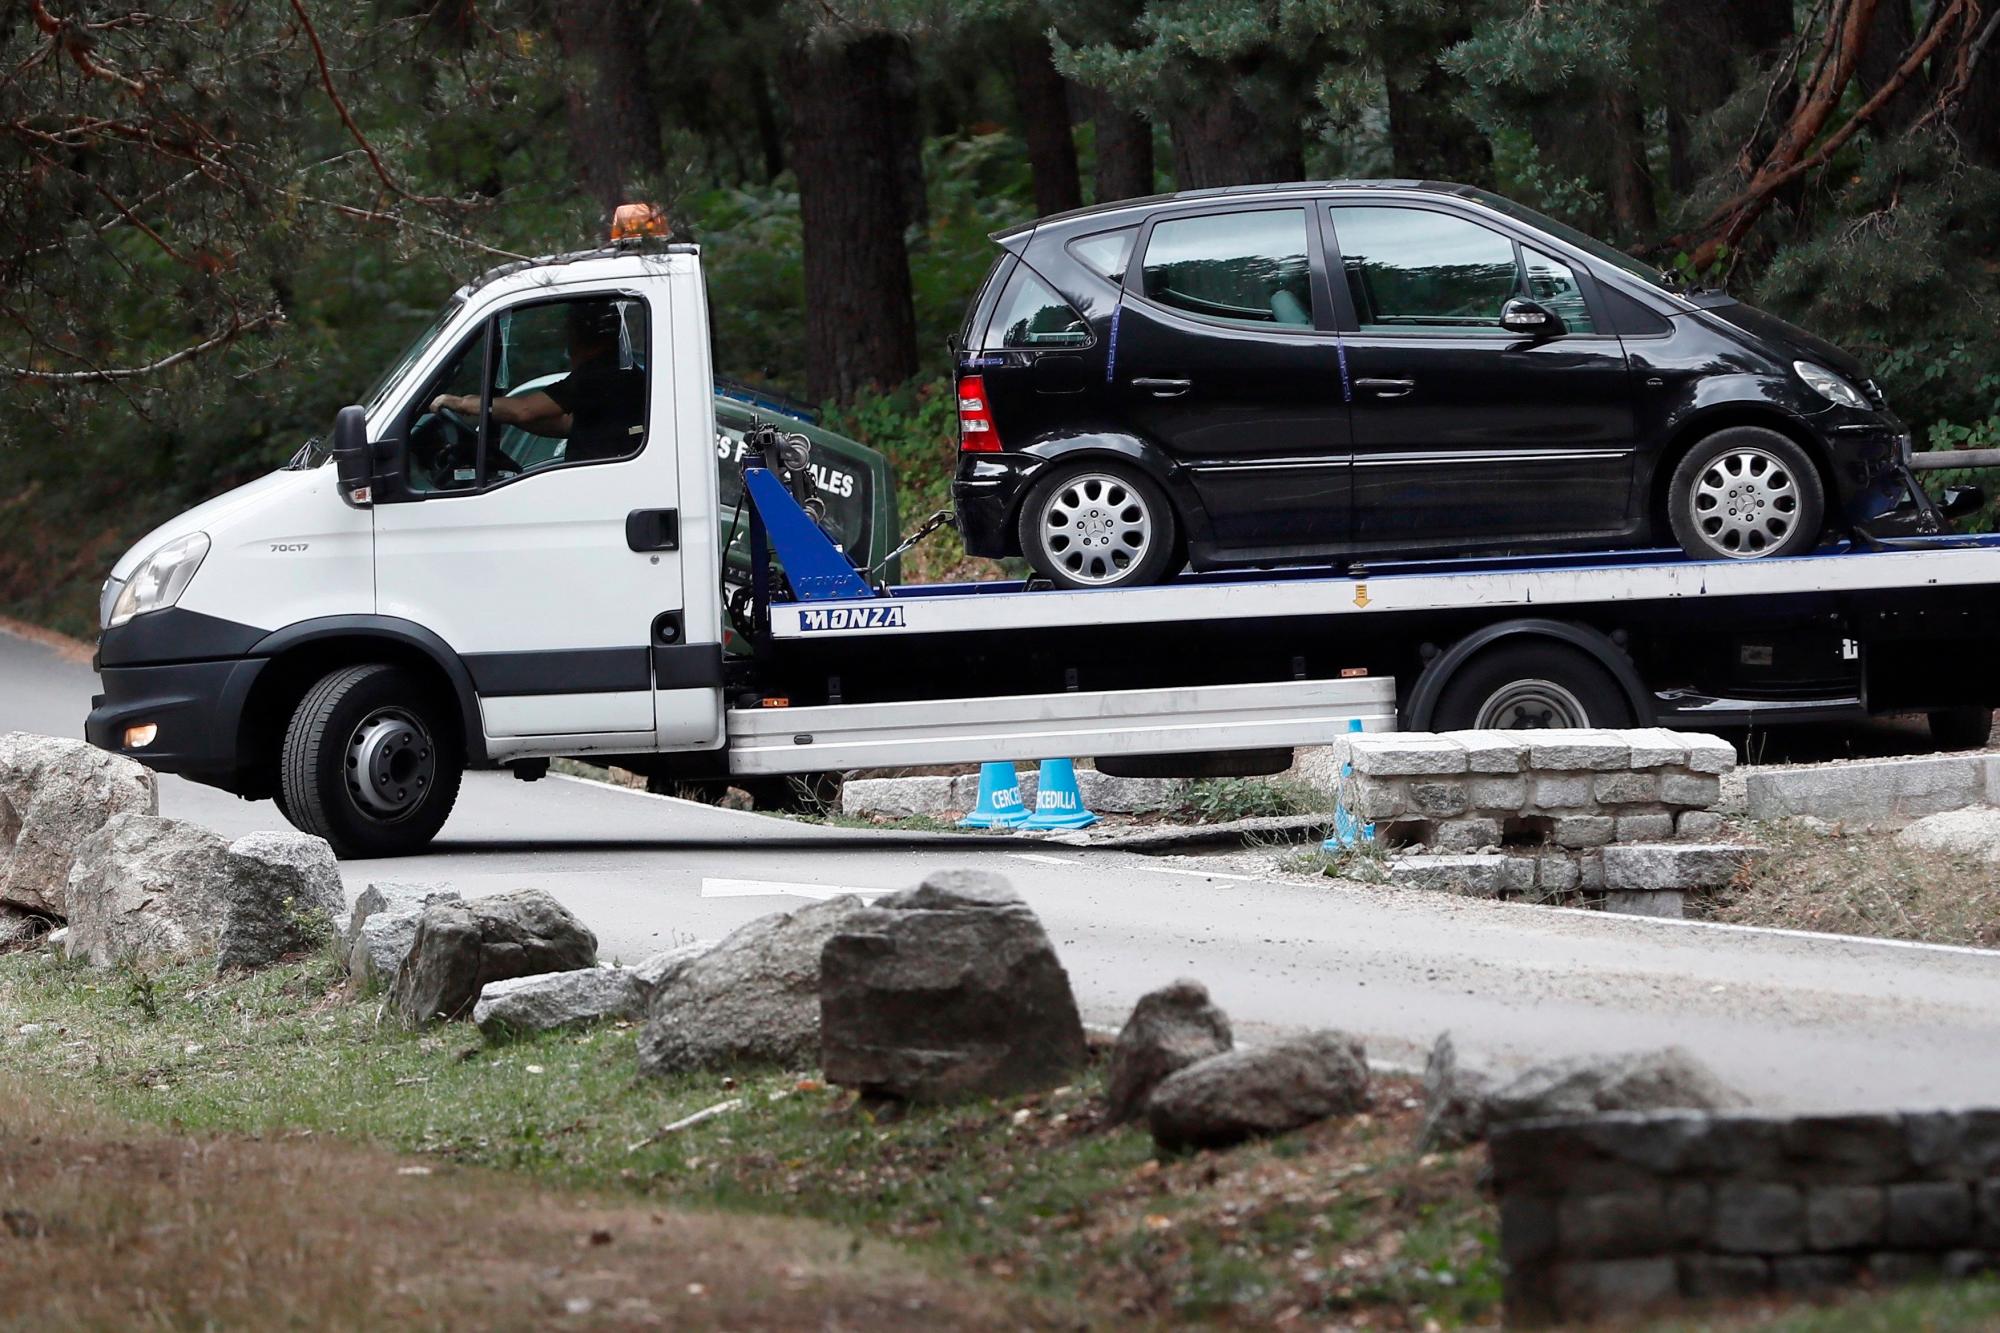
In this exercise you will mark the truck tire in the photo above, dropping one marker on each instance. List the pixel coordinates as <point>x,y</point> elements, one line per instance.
<point>1531,685</point>
<point>1961,728</point>
<point>370,762</point>
<point>1746,493</point>
<point>1099,524</point>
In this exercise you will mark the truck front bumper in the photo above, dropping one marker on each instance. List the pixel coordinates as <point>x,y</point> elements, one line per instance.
<point>197,709</point>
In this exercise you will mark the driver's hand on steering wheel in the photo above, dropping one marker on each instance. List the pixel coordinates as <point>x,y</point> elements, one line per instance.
<point>452,402</point>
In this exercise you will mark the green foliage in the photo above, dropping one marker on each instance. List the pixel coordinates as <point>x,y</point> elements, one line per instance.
<point>1213,800</point>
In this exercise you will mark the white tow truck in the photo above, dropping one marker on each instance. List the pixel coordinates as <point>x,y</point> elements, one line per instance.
<point>349,634</point>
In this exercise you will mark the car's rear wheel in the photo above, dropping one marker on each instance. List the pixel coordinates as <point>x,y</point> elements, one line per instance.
<point>1531,686</point>
<point>371,762</point>
<point>1746,493</point>
<point>1098,524</point>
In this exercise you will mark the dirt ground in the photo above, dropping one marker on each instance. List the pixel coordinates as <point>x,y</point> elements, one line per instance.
<point>106,1225</point>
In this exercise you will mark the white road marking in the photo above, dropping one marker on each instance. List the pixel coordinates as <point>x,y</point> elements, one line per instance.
<point>776,888</point>
<point>1202,874</point>
<point>1038,859</point>
<point>1820,936</point>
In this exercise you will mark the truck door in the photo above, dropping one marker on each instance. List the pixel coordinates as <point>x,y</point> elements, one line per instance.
<point>537,531</point>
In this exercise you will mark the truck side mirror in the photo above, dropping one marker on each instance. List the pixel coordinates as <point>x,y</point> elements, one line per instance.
<point>353,460</point>
<point>1529,318</point>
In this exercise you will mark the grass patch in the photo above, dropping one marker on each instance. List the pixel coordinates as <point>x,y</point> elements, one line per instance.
<point>1861,885</point>
<point>1219,800</point>
<point>1339,1223</point>
<point>1964,1307</point>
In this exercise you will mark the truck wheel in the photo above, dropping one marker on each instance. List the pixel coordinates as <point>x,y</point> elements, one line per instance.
<point>1745,493</point>
<point>1531,685</point>
<point>1098,524</point>
<point>370,763</point>
<point>1961,728</point>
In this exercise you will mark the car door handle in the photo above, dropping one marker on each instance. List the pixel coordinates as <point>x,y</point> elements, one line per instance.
<point>1387,388</point>
<point>1164,388</point>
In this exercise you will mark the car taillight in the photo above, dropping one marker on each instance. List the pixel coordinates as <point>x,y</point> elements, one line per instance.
<point>976,431</point>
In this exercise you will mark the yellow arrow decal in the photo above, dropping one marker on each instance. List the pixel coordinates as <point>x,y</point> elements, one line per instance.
<point>1361,594</point>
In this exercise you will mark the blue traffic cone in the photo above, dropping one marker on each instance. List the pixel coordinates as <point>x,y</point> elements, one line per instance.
<point>1348,830</point>
<point>1058,803</point>
<point>999,799</point>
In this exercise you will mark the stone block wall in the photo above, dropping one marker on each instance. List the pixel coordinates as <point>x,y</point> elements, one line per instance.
<point>1463,790</point>
<point>1629,1212</point>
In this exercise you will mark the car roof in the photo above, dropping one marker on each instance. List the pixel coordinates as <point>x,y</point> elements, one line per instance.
<point>1279,189</point>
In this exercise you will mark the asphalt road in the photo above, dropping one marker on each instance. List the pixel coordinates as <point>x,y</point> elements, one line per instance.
<point>1795,1021</point>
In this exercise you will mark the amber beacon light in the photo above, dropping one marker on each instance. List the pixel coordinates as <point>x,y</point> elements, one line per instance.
<point>631,222</point>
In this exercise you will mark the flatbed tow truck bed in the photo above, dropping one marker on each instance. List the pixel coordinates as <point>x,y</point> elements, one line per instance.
<point>1621,638</point>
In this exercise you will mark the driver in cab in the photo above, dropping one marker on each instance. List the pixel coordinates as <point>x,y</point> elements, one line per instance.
<point>599,407</point>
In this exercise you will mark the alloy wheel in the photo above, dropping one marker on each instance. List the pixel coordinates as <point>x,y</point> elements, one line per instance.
<point>1096,526</point>
<point>1745,504</point>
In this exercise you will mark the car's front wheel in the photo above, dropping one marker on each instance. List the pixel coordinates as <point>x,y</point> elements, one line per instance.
<point>1098,524</point>
<point>371,762</point>
<point>1745,493</point>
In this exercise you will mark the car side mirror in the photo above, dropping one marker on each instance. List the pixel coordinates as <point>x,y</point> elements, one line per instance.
<point>353,459</point>
<point>1962,500</point>
<point>1529,318</point>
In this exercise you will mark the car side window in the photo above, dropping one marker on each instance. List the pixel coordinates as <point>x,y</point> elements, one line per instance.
<point>1032,315</point>
<point>1552,283</point>
<point>1106,253</point>
<point>1248,268</point>
<point>1413,269</point>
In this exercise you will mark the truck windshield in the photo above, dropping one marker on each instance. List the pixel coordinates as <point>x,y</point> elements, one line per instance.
<point>318,449</point>
<point>380,388</point>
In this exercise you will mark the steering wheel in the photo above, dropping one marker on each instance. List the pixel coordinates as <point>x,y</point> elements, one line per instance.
<point>456,418</point>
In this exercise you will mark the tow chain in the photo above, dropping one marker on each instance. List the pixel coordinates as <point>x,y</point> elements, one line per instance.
<point>942,518</point>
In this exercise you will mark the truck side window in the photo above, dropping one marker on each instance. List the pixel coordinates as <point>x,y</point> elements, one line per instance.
<point>568,385</point>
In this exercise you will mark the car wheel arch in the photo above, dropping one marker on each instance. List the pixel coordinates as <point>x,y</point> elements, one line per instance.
<point>300,655</point>
<point>1419,710</point>
<point>1114,447</point>
<point>1712,421</point>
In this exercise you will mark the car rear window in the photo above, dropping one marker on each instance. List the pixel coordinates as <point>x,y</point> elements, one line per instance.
<point>1031,315</point>
<point>1247,267</point>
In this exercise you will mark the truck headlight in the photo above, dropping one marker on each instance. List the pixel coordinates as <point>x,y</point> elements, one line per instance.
<point>1829,385</point>
<point>159,580</point>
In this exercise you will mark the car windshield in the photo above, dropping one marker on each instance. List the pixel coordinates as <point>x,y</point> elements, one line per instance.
<point>1584,241</point>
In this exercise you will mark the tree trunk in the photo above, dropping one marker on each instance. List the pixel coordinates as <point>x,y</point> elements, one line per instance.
<point>770,136</point>
<point>848,144</point>
<point>1124,152</point>
<point>1042,97</point>
<point>1631,180</point>
<point>1889,40</point>
<point>1221,141</point>
<point>1707,48</point>
<point>1978,118</point>
<point>1428,139</point>
<point>905,113</point>
<point>614,123</point>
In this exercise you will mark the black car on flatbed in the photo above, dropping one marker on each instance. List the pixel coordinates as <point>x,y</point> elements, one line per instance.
<point>1321,372</point>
